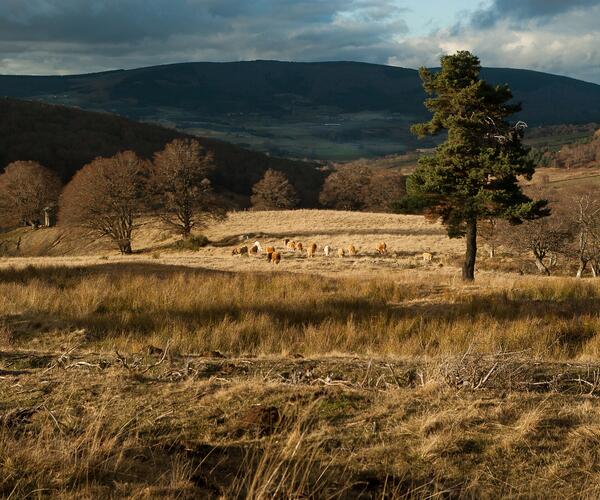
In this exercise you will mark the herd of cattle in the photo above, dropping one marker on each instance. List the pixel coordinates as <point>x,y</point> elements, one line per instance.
<point>274,256</point>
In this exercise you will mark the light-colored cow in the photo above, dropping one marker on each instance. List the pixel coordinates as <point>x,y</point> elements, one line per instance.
<point>427,256</point>
<point>327,250</point>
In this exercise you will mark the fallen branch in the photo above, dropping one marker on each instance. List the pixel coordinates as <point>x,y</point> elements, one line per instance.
<point>484,379</point>
<point>164,355</point>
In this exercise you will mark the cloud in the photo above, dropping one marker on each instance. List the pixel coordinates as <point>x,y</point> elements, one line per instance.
<point>540,11</point>
<point>76,36</point>
<point>568,43</point>
<point>123,32</point>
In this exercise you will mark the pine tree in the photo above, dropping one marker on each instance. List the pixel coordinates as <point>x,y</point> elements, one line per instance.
<point>474,173</point>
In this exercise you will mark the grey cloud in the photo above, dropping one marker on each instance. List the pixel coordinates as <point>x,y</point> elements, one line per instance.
<point>77,36</point>
<point>527,10</point>
<point>138,32</point>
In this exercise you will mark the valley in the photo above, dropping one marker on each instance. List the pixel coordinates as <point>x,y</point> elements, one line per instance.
<point>329,111</point>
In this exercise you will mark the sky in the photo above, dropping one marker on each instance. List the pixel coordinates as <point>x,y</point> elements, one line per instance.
<point>82,36</point>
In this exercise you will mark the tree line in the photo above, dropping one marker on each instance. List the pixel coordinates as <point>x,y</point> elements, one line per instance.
<point>108,195</point>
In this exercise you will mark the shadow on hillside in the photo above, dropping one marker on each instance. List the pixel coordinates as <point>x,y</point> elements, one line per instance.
<point>57,274</point>
<point>117,317</point>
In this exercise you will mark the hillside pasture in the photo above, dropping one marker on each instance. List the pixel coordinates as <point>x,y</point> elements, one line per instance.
<point>406,236</point>
<point>198,374</point>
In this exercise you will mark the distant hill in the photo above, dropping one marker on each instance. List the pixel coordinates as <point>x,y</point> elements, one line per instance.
<point>335,110</point>
<point>65,139</point>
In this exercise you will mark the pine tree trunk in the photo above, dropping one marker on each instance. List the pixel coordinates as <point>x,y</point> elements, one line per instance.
<point>468,270</point>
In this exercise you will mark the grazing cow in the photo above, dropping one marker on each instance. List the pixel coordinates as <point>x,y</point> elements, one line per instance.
<point>311,250</point>
<point>275,258</point>
<point>257,245</point>
<point>240,251</point>
<point>291,245</point>
<point>254,249</point>
<point>299,247</point>
<point>382,248</point>
<point>427,257</point>
<point>352,250</point>
<point>270,250</point>
<point>327,250</point>
<point>341,252</point>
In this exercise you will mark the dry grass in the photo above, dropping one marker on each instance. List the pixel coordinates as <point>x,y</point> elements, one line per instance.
<point>279,313</point>
<point>407,238</point>
<point>82,431</point>
<point>365,377</point>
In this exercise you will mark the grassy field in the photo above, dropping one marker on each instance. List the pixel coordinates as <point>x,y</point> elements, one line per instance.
<point>204,375</point>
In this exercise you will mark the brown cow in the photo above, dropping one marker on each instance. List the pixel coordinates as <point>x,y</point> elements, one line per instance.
<point>253,249</point>
<point>352,250</point>
<point>382,248</point>
<point>240,251</point>
<point>270,250</point>
<point>275,258</point>
<point>311,250</point>
<point>299,247</point>
<point>285,242</point>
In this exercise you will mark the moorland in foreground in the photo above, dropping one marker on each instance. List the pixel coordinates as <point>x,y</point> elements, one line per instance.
<point>188,374</point>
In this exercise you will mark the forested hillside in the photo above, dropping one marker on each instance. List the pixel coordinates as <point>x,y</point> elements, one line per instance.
<point>65,139</point>
<point>329,110</point>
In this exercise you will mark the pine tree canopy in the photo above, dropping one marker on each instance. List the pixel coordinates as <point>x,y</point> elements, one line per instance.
<point>475,172</point>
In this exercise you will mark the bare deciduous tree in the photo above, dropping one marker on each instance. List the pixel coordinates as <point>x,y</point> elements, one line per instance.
<point>274,192</point>
<point>488,232</point>
<point>26,189</point>
<point>361,187</point>
<point>184,192</point>
<point>585,216</point>
<point>345,189</point>
<point>105,196</point>
<point>385,187</point>
<point>543,238</point>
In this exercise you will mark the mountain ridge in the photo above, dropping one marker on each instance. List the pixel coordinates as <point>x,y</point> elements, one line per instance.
<point>328,110</point>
